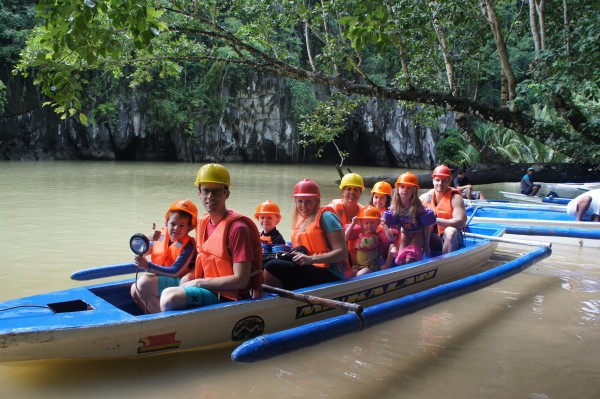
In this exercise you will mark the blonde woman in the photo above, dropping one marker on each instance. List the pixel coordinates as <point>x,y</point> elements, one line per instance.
<point>320,250</point>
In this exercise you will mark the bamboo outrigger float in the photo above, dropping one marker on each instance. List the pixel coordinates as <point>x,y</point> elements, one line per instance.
<point>536,222</point>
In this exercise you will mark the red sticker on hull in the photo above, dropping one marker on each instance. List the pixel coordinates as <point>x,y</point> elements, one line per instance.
<point>153,343</point>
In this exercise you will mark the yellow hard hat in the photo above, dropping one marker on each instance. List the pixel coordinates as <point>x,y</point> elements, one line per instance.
<point>213,173</point>
<point>352,180</point>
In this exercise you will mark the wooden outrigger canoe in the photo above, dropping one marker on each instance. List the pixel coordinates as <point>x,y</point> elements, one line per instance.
<point>101,321</point>
<point>541,222</point>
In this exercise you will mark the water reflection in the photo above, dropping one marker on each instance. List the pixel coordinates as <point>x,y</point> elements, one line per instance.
<point>591,311</point>
<point>433,340</point>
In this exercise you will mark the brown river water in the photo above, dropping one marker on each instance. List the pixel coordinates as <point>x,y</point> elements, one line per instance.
<point>534,335</point>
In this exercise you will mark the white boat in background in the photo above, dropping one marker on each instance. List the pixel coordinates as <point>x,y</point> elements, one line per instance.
<point>522,197</point>
<point>574,186</point>
<point>534,199</point>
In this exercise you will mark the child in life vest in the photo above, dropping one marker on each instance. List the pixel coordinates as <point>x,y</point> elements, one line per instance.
<point>368,239</point>
<point>268,216</point>
<point>408,214</point>
<point>172,250</point>
<point>381,198</point>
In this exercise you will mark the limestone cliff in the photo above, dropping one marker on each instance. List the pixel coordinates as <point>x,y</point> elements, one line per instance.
<point>256,126</point>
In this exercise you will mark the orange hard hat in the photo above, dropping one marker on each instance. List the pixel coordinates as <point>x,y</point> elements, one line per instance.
<point>382,187</point>
<point>442,171</point>
<point>267,207</point>
<point>307,188</point>
<point>408,178</point>
<point>370,212</point>
<point>186,206</point>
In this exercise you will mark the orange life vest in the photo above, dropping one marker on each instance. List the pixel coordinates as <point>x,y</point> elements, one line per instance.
<point>338,209</point>
<point>313,238</point>
<point>214,255</point>
<point>444,208</point>
<point>164,254</point>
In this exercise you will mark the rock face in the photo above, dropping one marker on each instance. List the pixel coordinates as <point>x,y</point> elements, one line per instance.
<point>256,126</point>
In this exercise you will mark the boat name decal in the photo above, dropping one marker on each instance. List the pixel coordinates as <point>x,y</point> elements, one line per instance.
<point>153,343</point>
<point>309,309</point>
<point>247,328</point>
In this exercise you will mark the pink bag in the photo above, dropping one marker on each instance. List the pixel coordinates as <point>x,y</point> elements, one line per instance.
<point>409,254</point>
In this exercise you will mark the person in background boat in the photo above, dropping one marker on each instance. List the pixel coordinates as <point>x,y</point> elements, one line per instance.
<point>462,184</point>
<point>171,250</point>
<point>528,187</point>
<point>414,221</point>
<point>585,205</point>
<point>368,238</point>
<point>319,231</point>
<point>268,216</point>
<point>229,251</point>
<point>449,208</point>
<point>348,206</point>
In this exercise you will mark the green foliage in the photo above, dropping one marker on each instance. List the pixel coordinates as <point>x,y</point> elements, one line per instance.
<point>449,149</point>
<point>17,18</point>
<point>302,98</point>
<point>181,103</point>
<point>326,124</point>
<point>354,46</point>
<point>454,151</point>
<point>64,46</point>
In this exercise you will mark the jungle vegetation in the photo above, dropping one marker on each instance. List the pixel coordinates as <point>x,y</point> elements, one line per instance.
<point>522,76</point>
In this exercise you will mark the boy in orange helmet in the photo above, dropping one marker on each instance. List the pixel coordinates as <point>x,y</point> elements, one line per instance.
<point>171,250</point>
<point>268,216</point>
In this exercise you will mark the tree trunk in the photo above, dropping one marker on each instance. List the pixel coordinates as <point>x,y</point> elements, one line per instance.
<point>535,33</point>
<point>401,52</point>
<point>541,16</point>
<point>566,28</point>
<point>448,61</point>
<point>487,7</point>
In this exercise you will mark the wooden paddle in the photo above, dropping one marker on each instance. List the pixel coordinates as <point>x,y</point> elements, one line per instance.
<point>315,300</point>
